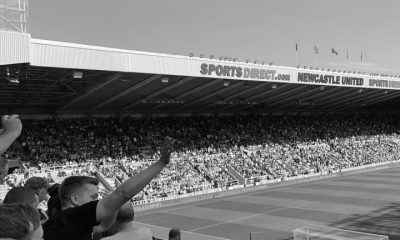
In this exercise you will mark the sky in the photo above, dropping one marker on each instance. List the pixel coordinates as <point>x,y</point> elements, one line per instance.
<point>262,30</point>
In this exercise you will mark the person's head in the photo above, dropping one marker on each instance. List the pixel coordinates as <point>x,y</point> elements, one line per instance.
<point>53,189</point>
<point>78,190</point>
<point>21,195</point>
<point>53,205</point>
<point>174,234</point>
<point>20,222</point>
<point>125,216</point>
<point>39,185</point>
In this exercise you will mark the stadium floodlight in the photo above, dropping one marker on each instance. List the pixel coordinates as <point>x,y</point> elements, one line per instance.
<point>164,80</point>
<point>322,88</point>
<point>386,92</point>
<point>226,83</point>
<point>360,90</point>
<point>77,75</point>
<point>274,86</point>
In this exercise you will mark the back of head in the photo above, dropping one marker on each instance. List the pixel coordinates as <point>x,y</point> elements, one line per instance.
<point>53,205</point>
<point>53,189</point>
<point>21,195</point>
<point>72,185</point>
<point>174,234</point>
<point>124,216</point>
<point>36,183</point>
<point>126,213</point>
<point>18,221</point>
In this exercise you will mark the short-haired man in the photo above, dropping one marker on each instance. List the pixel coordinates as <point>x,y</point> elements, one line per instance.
<point>21,195</point>
<point>81,210</point>
<point>20,222</point>
<point>40,186</point>
<point>174,234</point>
<point>124,229</point>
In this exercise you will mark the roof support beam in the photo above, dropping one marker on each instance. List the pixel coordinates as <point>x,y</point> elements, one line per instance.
<point>350,101</point>
<point>160,91</point>
<point>272,90</point>
<point>196,89</point>
<point>311,91</point>
<point>238,94</point>
<point>91,90</point>
<point>212,94</point>
<point>322,93</point>
<point>126,91</point>
<point>385,97</point>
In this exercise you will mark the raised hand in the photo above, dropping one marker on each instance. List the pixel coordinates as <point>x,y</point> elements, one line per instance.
<point>11,125</point>
<point>166,151</point>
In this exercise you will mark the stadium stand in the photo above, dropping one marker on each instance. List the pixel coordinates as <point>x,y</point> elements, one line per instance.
<point>217,152</point>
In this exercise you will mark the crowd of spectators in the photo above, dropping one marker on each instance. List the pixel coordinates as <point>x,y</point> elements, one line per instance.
<point>126,156</point>
<point>213,149</point>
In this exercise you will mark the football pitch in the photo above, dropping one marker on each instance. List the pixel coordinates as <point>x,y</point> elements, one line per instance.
<point>366,202</point>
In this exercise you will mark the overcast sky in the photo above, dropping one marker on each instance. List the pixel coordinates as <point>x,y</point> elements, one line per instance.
<point>263,30</point>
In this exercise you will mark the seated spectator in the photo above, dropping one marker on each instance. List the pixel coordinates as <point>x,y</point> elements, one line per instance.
<point>174,234</point>
<point>21,195</point>
<point>20,222</point>
<point>125,229</point>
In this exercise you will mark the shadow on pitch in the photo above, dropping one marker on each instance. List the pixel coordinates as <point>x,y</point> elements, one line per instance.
<point>383,221</point>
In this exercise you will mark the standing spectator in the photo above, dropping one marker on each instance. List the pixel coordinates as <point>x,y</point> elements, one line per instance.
<point>20,221</point>
<point>174,234</point>
<point>54,203</point>
<point>22,195</point>
<point>40,186</point>
<point>124,228</point>
<point>81,210</point>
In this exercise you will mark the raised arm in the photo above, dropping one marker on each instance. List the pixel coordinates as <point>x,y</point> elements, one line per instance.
<point>11,129</point>
<point>108,206</point>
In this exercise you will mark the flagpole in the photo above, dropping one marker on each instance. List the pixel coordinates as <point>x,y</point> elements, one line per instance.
<point>361,63</point>
<point>347,58</point>
<point>315,60</point>
<point>297,57</point>
<point>331,61</point>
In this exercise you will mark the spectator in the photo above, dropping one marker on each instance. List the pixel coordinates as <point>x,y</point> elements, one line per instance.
<point>40,186</point>
<point>81,210</point>
<point>21,195</point>
<point>124,228</point>
<point>174,234</point>
<point>20,222</point>
<point>54,203</point>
